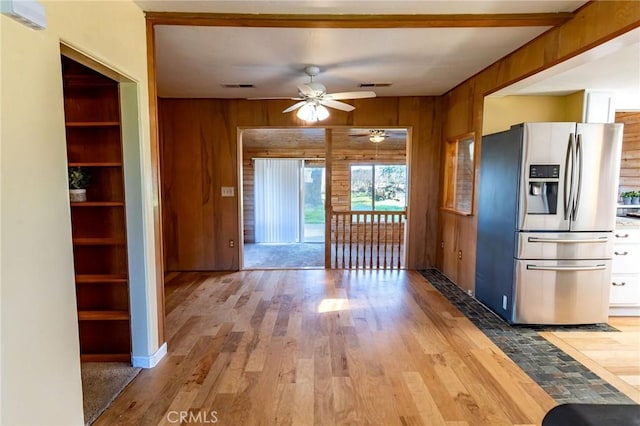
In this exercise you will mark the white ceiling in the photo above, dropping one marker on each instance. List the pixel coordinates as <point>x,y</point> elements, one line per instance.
<point>195,61</point>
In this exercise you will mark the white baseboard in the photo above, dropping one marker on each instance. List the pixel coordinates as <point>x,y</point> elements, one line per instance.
<point>150,361</point>
<point>624,311</point>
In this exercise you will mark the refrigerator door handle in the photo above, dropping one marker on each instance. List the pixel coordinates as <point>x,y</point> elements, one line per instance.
<point>567,240</point>
<point>566,268</point>
<point>578,163</point>
<point>568,189</point>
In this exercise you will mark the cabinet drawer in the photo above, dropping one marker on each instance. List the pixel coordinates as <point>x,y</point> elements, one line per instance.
<point>626,235</point>
<point>626,258</point>
<point>625,290</point>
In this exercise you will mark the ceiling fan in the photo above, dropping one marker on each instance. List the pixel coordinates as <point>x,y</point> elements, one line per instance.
<point>378,135</point>
<point>313,98</point>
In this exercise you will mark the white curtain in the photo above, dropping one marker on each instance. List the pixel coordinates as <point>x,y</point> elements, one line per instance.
<point>277,203</point>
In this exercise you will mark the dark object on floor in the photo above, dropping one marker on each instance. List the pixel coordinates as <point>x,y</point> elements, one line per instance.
<point>593,415</point>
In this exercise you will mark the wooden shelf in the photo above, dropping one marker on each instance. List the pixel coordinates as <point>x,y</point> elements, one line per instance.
<point>98,241</point>
<point>94,140</point>
<point>92,124</point>
<point>105,357</point>
<point>103,315</point>
<point>98,204</point>
<point>101,278</point>
<point>96,164</point>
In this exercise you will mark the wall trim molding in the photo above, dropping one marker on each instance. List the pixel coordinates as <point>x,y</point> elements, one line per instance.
<point>150,361</point>
<point>359,20</point>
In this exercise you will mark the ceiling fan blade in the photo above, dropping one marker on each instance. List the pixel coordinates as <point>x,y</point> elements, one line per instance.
<point>275,97</point>
<point>306,90</point>
<point>337,105</point>
<point>351,95</point>
<point>295,106</point>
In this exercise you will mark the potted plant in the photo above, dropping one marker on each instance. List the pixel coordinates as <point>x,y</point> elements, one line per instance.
<point>627,197</point>
<point>636,198</point>
<point>79,178</point>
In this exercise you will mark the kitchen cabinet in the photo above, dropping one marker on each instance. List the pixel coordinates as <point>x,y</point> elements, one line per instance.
<point>624,295</point>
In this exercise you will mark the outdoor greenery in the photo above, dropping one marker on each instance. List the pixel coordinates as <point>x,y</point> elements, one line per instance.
<point>313,196</point>
<point>314,215</point>
<point>390,190</point>
<point>390,187</point>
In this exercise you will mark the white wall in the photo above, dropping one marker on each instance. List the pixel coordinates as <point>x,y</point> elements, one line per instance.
<point>39,354</point>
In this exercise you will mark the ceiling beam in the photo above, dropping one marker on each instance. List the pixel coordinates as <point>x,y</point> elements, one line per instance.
<point>359,21</point>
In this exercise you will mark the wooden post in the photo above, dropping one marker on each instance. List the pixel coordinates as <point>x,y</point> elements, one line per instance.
<point>328,208</point>
<point>357,240</point>
<point>344,236</point>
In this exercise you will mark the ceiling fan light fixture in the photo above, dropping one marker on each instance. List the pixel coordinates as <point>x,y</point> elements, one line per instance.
<point>376,136</point>
<point>312,112</point>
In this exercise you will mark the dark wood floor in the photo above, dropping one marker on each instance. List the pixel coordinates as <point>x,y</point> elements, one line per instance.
<point>324,347</point>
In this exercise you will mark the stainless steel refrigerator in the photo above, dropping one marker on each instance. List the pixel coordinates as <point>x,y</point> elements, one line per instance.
<point>546,214</point>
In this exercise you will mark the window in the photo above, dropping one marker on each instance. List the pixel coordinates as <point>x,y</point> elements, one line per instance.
<point>378,187</point>
<point>459,174</point>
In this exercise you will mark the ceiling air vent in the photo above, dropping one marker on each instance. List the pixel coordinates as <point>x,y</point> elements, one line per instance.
<point>375,84</point>
<point>237,85</point>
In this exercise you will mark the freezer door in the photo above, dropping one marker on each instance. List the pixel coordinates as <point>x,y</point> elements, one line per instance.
<point>599,148</point>
<point>545,176</point>
<point>562,292</point>
<point>565,245</point>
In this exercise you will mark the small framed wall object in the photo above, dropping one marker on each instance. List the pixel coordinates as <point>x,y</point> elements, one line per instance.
<point>459,172</point>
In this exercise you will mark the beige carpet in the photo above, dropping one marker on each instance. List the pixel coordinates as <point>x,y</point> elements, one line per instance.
<point>101,383</point>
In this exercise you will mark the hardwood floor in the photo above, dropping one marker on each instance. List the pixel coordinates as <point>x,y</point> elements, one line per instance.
<point>613,356</point>
<point>324,347</point>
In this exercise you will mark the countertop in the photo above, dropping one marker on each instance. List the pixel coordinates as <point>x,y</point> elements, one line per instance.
<point>627,222</point>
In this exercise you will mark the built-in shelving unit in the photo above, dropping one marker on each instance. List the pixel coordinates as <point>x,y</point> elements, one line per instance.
<point>94,141</point>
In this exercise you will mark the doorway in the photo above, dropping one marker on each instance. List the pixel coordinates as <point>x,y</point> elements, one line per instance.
<point>101,112</point>
<point>368,172</point>
<point>283,182</point>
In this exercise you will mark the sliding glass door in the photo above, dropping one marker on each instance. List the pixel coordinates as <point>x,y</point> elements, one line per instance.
<point>277,200</point>
<point>313,217</point>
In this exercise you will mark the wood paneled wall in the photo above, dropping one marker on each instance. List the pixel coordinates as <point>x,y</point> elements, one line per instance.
<point>198,157</point>
<point>630,167</point>
<point>464,108</point>
<point>200,154</point>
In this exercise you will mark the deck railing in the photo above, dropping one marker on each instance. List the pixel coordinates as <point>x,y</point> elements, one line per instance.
<point>367,239</point>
